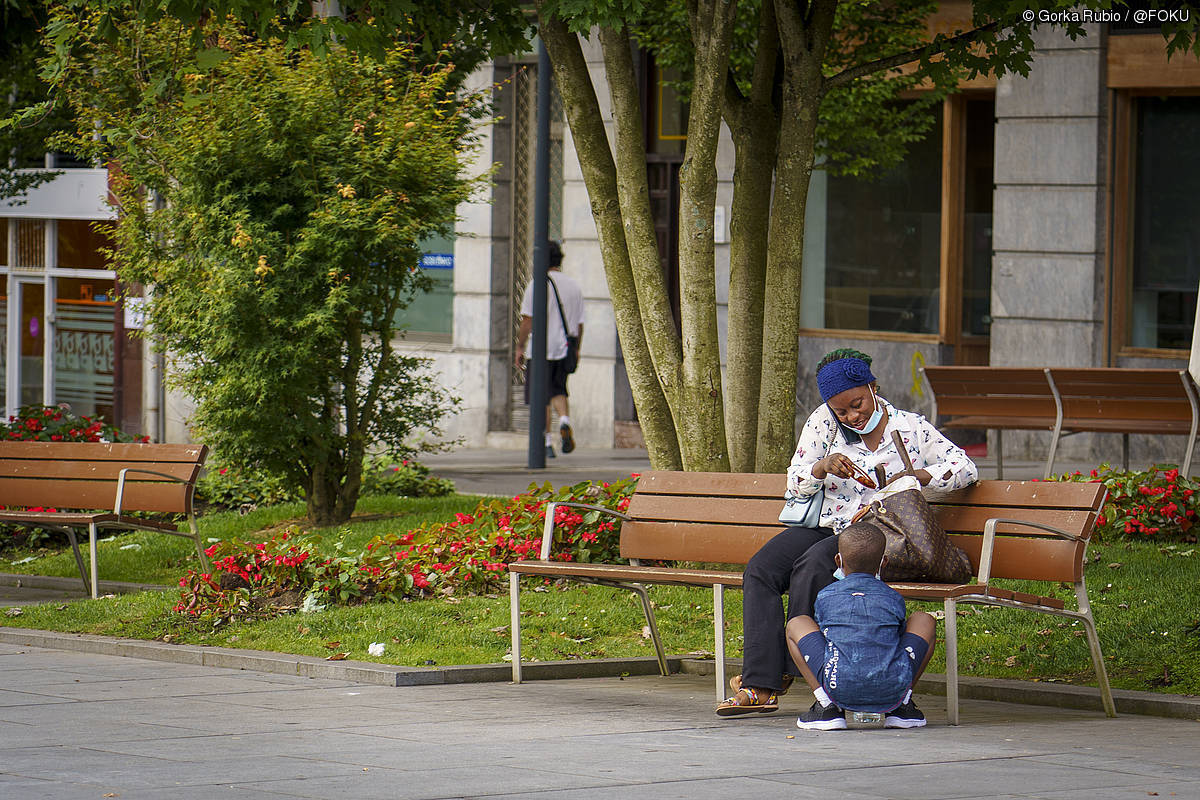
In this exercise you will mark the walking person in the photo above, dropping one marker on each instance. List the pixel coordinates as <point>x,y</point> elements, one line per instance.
<point>564,318</point>
<point>849,433</point>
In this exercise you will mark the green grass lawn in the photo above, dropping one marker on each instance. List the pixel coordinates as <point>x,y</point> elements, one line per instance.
<point>1146,601</point>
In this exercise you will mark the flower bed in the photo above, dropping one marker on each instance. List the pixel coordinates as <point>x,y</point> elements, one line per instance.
<point>466,555</point>
<point>1157,503</point>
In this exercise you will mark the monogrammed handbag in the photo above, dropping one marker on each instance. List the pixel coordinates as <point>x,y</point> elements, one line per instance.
<point>917,546</point>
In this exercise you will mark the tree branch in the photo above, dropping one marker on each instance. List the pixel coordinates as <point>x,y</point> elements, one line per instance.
<point>899,59</point>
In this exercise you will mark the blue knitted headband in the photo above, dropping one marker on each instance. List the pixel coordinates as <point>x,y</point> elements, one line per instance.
<point>845,373</point>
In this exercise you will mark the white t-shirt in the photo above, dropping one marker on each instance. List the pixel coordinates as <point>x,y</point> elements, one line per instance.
<point>572,305</point>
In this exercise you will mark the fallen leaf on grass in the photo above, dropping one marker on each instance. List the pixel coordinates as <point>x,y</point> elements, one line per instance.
<point>333,645</point>
<point>337,657</point>
<point>645,631</point>
<point>499,629</point>
<point>1045,632</point>
<point>13,612</point>
<point>1011,661</point>
<point>1115,565</point>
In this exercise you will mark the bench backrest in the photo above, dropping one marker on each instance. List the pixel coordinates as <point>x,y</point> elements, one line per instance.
<point>83,475</point>
<point>1141,394</point>
<point>726,517</point>
<point>991,391</point>
<point>1022,552</point>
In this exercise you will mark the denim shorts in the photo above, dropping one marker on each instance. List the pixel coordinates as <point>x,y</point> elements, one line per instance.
<point>822,659</point>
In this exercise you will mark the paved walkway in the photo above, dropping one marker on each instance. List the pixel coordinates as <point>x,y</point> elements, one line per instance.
<point>76,725</point>
<point>505,472</point>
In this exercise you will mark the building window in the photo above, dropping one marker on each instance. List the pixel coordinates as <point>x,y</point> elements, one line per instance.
<point>1164,249</point>
<point>430,315</point>
<point>872,257</point>
<point>80,245</point>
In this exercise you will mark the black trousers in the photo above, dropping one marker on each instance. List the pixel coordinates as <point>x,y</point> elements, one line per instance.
<point>798,562</point>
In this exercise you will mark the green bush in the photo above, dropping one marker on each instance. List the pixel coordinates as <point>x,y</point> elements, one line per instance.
<point>1156,503</point>
<point>233,487</point>
<point>407,478</point>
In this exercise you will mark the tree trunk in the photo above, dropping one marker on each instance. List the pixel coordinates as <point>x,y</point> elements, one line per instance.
<point>803,44</point>
<point>599,175</point>
<point>702,434</point>
<point>633,194</point>
<point>754,125</point>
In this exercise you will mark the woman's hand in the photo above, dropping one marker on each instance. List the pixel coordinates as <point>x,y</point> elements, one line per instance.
<point>835,464</point>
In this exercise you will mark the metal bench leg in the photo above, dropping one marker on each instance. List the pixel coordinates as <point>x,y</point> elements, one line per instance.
<point>1106,697</point>
<point>199,547</point>
<point>999,455</point>
<point>92,553</point>
<point>514,605</point>
<point>1050,456</point>
<point>641,592</point>
<point>78,559</point>
<point>951,625</point>
<point>1125,451</point>
<point>719,638</point>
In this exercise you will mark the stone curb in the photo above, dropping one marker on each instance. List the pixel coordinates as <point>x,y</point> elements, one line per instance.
<point>55,583</point>
<point>315,667</point>
<point>1055,695</point>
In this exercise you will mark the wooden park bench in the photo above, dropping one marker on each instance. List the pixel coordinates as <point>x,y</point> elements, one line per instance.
<point>1065,401</point>
<point>94,486</point>
<point>1036,531</point>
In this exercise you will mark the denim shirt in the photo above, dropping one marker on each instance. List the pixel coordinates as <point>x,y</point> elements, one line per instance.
<point>862,619</point>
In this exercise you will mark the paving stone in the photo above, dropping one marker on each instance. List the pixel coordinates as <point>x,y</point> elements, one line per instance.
<point>176,731</point>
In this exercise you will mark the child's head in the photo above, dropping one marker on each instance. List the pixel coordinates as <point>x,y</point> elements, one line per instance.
<point>861,547</point>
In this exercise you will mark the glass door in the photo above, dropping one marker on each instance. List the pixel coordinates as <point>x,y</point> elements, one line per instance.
<point>30,341</point>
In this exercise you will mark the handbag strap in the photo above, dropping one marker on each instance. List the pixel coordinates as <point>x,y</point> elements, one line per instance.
<point>561,315</point>
<point>899,442</point>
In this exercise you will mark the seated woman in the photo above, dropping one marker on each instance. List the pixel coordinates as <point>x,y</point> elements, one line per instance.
<point>849,434</point>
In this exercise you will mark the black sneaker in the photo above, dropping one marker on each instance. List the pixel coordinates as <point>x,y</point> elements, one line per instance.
<point>568,437</point>
<point>829,718</point>
<point>906,716</point>
<point>549,451</point>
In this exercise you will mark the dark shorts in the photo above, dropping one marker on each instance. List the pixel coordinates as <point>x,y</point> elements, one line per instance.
<point>556,380</point>
<point>814,650</point>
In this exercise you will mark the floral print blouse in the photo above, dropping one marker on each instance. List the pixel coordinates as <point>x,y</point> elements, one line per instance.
<point>928,449</point>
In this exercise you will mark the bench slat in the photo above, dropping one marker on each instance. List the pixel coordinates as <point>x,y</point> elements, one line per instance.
<point>94,470</point>
<point>166,497</point>
<point>617,572</point>
<point>101,451</point>
<point>1001,423</point>
<point>1039,494</point>
<point>1022,558</point>
<point>716,484</point>
<point>725,510</point>
<point>998,405</point>
<point>957,519</point>
<point>694,541</point>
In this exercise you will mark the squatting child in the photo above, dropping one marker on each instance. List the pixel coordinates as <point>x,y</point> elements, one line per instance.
<point>861,653</point>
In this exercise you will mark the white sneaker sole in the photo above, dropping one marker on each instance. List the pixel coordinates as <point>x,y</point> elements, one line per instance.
<point>900,722</point>
<point>823,725</point>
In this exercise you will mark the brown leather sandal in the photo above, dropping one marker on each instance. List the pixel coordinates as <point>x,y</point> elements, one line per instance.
<point>748,701</point>
<point>735,683</point>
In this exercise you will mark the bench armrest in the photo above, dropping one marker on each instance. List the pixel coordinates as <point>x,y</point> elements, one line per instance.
<point>989,541</point>
<point>121,483</point>
<point>548,527</point>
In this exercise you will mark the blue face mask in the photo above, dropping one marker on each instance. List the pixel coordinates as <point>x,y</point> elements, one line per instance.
<point>873,422</point>
<point>841,576</point>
